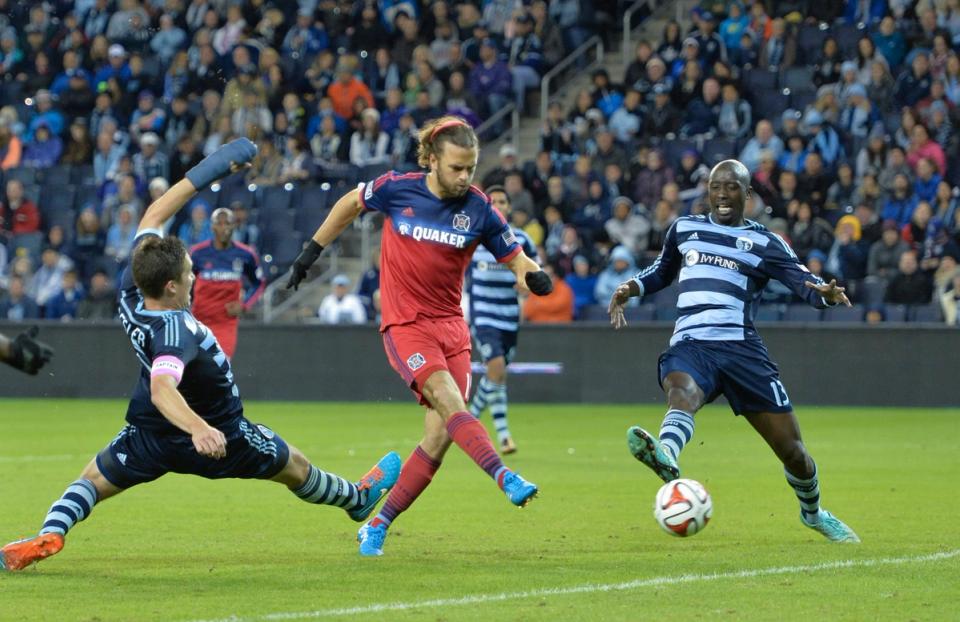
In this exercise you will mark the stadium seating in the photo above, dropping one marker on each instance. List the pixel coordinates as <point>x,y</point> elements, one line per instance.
<point>801,313</point>
<point>843,313</point>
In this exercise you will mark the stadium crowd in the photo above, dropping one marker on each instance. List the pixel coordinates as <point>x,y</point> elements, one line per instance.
<point>844,112</point>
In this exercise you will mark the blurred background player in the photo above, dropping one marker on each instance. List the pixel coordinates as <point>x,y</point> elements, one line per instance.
<point>186,415</point>
<point>494,313</point>
<point>25,352</point>
<point>229,280</point>
<point>433,223</point>
<point>724,261</point>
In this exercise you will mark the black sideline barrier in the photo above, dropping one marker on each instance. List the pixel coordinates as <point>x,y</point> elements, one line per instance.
<point>832,364</point>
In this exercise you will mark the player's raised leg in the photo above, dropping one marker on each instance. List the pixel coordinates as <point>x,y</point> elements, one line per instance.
<point>661,454</point>
<point>358,499</point>
<point>75,504</point>
<point>782,433</point>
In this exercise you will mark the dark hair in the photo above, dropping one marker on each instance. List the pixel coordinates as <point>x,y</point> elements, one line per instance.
<point>156,262</point>
<point>447,129</point>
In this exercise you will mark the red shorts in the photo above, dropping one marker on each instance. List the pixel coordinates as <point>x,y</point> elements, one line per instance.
<point>226,334</point>
<point>417,350</point>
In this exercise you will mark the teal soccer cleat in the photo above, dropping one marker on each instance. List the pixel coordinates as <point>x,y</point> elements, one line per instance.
<point>377,483</point>
<point>647,449</point>
<point>832,528</point>
<point>518,490</point>
<point>371,540</point>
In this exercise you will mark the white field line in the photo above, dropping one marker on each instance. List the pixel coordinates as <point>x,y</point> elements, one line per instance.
<point>479,599</point>
<point>48,458</point>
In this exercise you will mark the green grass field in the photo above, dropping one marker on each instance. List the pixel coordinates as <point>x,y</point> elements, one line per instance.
<point>187,549</point>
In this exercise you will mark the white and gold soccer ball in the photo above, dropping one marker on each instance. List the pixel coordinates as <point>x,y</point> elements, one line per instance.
<point>683,507</point>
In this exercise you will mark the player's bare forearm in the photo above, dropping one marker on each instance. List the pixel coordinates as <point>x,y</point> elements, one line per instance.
<point>344,212</point>
<point>520,265</point>
<point>169,401</point>
<point>169,203</point>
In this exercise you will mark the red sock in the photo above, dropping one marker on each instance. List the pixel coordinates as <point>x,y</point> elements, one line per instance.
<point>473,439</point>
<point>415,476</point>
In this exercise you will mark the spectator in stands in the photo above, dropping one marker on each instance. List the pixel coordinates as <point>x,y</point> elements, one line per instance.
<point>490,79</point>
<point>340,306</point>
<point>554,308</point>
<point>663,118</point>
<point>734,27</point>
<point>663,216</point>
<point>857,118</point>
<point>922,147</point>
<point>403,145</point>
<point>307,37</point>
<point>650,180</point>
<point>148,117</point>
<point>549,33</point>
<point>671,44</point>
<point>48,279</point>
<point>689,84</point>
<point>951,79</point>
<point>815,261</point>
<point>927,181</point>
<point>910,286</point>
<point>520,197</point>
<point>508,163</point>
<point>150,162</point>
<point>809,232</point>
<point>77,99</point>
<point>736,116</point>
<point>813,182</point>
<point>553,230</point>
<point>627,227</point>
<point>251,115</point>
<point>896,165</point>
<point>197,229</point>
<point>780,50</point>
<point>18,214</point>
<point>881,88</point>
<point>913,84</point>
<point>121,234</point>
<point>582,283</point>
<point>524,58</point>
<point>840,194</point>
<point>267,164</point>
<point>884,255</point>
<point>228,35</point>
<point>902,202</point>
<point>763,140</point>
<point>711,45</point>
<point>44,150</point>
<point>621,267</point>
<point>922,229</point>
<point>627,120</point>
<point>847,257</point>
<point>823,139</point>
<point>556,135</point>
<point>100,302</point>
<point>79,149</point>
<point>945,203</point>
<point>460,100</point>
<point>890,42</point>
<point>607,151</point>
<point>168,40</point>
<point>795,156</point>
<point>368,146</point>
<point>17,305</point>
<point>347,88</point>
<point>690,53</point>
<point>296,165</point>
<point>607,97</point>
<point>45,114</point>
<point>11,149</point>
<point>64,305</point>
<point>636,71</point>
<point>873,155</point>
<point>89,241</point>
<point>244,231</point>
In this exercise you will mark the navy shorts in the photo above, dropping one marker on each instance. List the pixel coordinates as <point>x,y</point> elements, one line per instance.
<point>493,342</point>
<point>739,370</point>
<point>137,455</point>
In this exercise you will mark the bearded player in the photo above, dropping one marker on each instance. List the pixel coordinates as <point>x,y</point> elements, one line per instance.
<point>186,415</point>
<point>222,267</point>
<point>724,261</point>
<point>433,223</point>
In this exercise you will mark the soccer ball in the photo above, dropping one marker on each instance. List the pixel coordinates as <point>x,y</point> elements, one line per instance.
<point>682,507</point>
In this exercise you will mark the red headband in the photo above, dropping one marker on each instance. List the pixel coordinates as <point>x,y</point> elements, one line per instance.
<point>444,126</point>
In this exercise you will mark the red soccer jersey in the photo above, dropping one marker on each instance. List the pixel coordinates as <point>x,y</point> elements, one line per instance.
<point>220,279</point>
<point>428,243</point>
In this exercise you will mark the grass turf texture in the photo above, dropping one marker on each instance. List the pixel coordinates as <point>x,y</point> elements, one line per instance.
<point>183,548</point>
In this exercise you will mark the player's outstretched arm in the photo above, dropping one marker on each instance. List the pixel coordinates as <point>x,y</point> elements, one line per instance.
<point>344,212</point>
<point>25,352</point>
<point>624,292</point>
<point>530,278</point>
<point>207,440</point>
<point>830,292</point>
<point>229,158</point>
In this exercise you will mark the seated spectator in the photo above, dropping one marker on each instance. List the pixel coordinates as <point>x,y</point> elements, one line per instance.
<point>490,79</point>
<point>780,50</point>
<point>11,149</point>
<point>347,88</point>
<point>124,198</point>
<point>703,113</point>
<point>403,145</point>
<point>554,308</point>
<point>901,203</point>
<point>48,279</point>
<point>884,256</point>
<point>627,227</point>
<point>79,149</point>
<point>296,165</point>
<point>620,268</point>
<point>89,240</point>
<point>197,229</point>
<point>340,306</point>
<point>816,261</point>
<point>890,42</point>
<point>813,182</point>
<point>64,305</point>
<point>523,220</point>
<point>650,180</point>
<point>520,197</point>
<point>460,101</point>
<point>252,115</point>
<point>101,302</point>
<point>927,180</point>
<point>950,300</point>
<point>794,158</point>
<point>736,115</point>
<point>764,140</point>
<point>267,164</point>
<point>593,213</point>
<point>823,139</point>
<point>148,117</point>
<point>583,283</point>
<point>121,234</point>
<point>896,165</point>
<point>18,214</point>
<point>368,146</point>
<point>370,283</point>
<point>150,162</point>
<point>873,155</point>
<point>913,84</point>
<point>44,150</point>
<point>847,257</point>
<point>910,286</point>
<point>809,233</point>
<point>840,194</point>
<point>921,147</point>
<point>17,305</point>
<point>663,216</point>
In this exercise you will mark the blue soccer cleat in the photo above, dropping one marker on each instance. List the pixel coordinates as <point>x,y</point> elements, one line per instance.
<point>647,449</point>
<point>371,539</point>
<point>377,482</point>
<point>832,528</point>
<point>518,490</point>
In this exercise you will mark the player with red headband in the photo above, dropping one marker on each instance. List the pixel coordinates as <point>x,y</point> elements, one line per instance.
<point>433,223</point>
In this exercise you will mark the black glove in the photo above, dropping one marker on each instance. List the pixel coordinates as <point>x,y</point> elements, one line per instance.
<point>27,354</point>
<point>306,258</point>
<point>539,283</point>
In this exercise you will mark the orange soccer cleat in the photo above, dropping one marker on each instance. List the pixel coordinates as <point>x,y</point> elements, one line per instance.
<point>21,553</point>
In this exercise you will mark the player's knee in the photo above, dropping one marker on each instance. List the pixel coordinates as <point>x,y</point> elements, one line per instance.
<point>444,397</point>
<point>684,397</point>
<point>497,371</point>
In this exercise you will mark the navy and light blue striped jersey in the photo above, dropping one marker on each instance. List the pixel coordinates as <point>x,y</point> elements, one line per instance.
<point>493,297</point>
<point>723,271</point>
<point>175,343</point>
